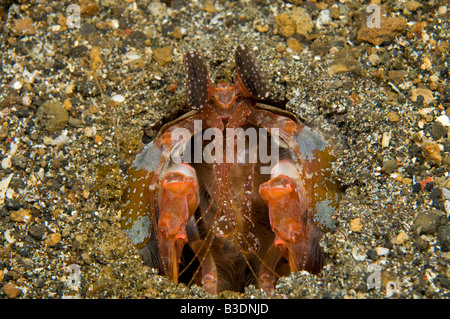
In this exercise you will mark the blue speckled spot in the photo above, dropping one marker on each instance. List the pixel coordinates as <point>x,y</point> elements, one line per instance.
<point>308,141</point>
<point>140,230</point>
<point>148,159</point>
<point>322,218</point>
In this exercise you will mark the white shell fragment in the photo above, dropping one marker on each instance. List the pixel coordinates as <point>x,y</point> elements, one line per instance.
<point>323,19</point>
<point>118,98</point>
<point>131,56</point>
<point>386,139</point>
<point>6,163</point>
<point>61,139</point>
<point>4,186</point>
<point>382,251</point>
<point>17,85</point>
<point>444,120</point>
<point>8,236</point>
<point>447,208</point>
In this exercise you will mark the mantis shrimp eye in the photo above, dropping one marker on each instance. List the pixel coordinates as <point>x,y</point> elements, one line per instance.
<point>249,73</point>
<point>197,80</point>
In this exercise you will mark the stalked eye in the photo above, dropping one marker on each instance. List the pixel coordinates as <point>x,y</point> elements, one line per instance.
<point>250,74</point>
<point>197,80</point>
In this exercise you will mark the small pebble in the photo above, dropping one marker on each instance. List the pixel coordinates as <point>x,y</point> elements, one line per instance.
<point>374,59</point>
<point>432,152</point>
<point>69,88</point>
<point>356,225</point>
<point>53,239</point>
<point>429,186</point>
<point>6,163</point>
<point>336,84</point>
<point>389,166</point>
<point>262,28</point>
<point>413,5</point>
<point>420,243</point>
<point>74,122</point>
<point>387,30</point>
<point>86,257</point>
<point>98,139</point>
<point>37,231</point>
<point>11,290</point>
<point>131,56</point>
<point>65,231</point>
<point>89,132</point>
<point>280,47</point>
<point>3,132</point>
<point>437,130</point>
<point>26,100</point>
<point>426,223</point>
<point>12,204</point>
<point>386,139</point>
<point>163,55</point>
<point>436,193</point>
<point>294,45</point>
<point>446,193</point>
<point>426,65</point>
<point>407,180</point>
<point>393,117</point>
<point>382,251</point>
<point>443,237</point>
<point>442,10</point>
<point>21,216</point>
<point>17,85</point>
<point>434,78</point>
<point>417,187</point>
<point>19,161</point>
<point>396,176</point>
<point>23,27</point>
<point>89,8</point>
<point>47,140</point>
<point>179,32</point>
<point>323,19</point>
<point>172,87</point>
<point>53,116</point>
<point>67,104</point>
<point>61,139</point>
<point>4,184</point>
<point>427,95</point>
<point>372,254</point>
<point>80,239</point>
<point>9,237</point>
<point>401,238</point>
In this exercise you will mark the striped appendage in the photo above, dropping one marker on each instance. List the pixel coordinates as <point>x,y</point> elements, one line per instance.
<point>249,74</point>
<point>197,80</point>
